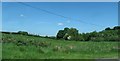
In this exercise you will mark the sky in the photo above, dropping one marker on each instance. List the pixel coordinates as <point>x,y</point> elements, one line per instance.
<point>20,17</point>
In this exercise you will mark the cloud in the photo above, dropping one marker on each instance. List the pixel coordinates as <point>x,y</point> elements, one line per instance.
<point>60,24</point>
<point>21,15</point>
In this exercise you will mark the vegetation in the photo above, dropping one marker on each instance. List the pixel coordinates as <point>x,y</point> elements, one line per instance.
<point>23,33</point>
<point>17,46</point>
<point>68,44</point>
<point>70,34</point>
<point>106,35</point>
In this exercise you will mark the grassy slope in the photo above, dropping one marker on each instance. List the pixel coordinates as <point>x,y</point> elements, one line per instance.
<point>0,50</point>
<point>79,50</point>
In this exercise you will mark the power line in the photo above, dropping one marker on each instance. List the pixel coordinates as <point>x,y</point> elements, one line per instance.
<point>58,14</point>
<point>42,10</point>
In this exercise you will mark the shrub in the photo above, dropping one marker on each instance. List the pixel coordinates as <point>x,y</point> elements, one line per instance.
<point>23,33</point>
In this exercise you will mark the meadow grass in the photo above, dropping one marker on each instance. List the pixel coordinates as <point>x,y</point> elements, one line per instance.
<point>56,49</point>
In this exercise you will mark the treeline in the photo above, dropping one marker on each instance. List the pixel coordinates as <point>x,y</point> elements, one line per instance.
<point>21,33</point>
<point>72,34</point>
<point>109,34</point>
<point>27,34</point>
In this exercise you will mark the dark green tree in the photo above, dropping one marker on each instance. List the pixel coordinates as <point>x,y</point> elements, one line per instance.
<point>108,28</point>
<point>60,34</point>
<point>66,30</point>
<point>73,32</point>
<point>66,33</point>
<point>22,32</point>
<point>116,28</point>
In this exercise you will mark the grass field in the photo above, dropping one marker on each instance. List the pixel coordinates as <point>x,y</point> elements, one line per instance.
<point>28,47</point>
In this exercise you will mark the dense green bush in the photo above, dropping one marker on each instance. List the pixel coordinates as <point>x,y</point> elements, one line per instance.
<point>68,34</point>
<point>109,34</point>
<point>23,32</point>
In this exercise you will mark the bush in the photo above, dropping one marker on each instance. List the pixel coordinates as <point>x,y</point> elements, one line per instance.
<point>98,39</point>
<point>23,33</point>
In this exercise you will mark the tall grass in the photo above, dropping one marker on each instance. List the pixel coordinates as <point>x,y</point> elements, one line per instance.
<point>44,48</point>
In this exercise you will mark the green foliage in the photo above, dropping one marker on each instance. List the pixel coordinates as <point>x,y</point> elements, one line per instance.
<point>68,34</point>
<point>21,45</point>
<point>23,33</point>
<point>73,33</point>
<point>107,28</point>
<point>66,30</point>
<point>60,34</point>
<point>46,48</point>
<point>108,34</point>
<point>116,28</point>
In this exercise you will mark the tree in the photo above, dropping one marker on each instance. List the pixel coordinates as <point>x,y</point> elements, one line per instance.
<point>63,34</point>
<point>106,35</point>
<point>116,28</point>
<point>86,36</point>
<point>66,36</point>
<point>108,28</point>
<point>66,30</point>
<point>93,34</point>
<point>23,32</point>
<point>73,32</point>
<point>60,34</point>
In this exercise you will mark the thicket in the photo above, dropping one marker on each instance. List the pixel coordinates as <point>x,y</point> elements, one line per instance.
<point>109,34</point>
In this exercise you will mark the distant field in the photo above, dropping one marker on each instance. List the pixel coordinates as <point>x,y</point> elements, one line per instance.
<point>28,47</point>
